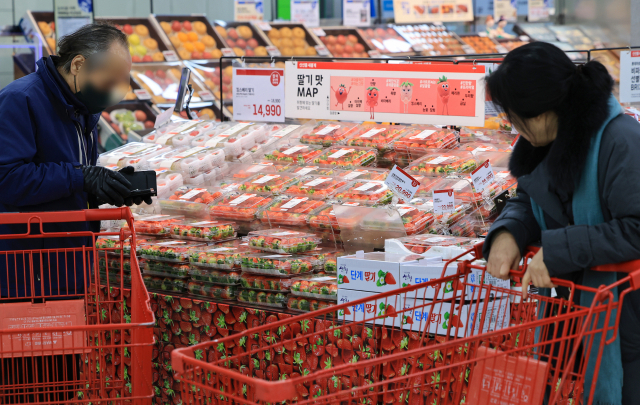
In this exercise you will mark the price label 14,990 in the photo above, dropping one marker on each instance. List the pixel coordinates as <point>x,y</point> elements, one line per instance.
<point>258,95</point>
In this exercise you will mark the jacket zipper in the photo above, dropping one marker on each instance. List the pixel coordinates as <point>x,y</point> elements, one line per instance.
<point>81,146</point>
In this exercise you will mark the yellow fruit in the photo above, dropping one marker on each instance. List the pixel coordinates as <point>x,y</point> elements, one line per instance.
<point>276,42</point>
<point>210,84</point>
<point>193,37</point>
<point>44,27</point>
<point>176,41</point>
<point>244,31</point>
<point>311,51</point>
<point>51,42</point>
<point>299,32</point>
<point>286,43</point>
<point>298,50</point>
<point>286,51</point>
<point>221,31</point>
<point>142,30</point>
<point>274,33</point>
<point>238,51</point>
<point>199,27</point>
<point>199,46</point>
<point>208,41</point>
<point>228,71</point>
<point>207,111</point>
<point>299,42</point>
<point>158,57</point>
<point>175,72</point>
<point>134,39</point>
<point>280,65</point>
<point>189,46</point>
<point>166,27</point>
<point>216,54</point>
<point>150,43</point>
<point>285,32</point>
<point>140,50</point>
<point>183,36</point>
<point>261,51</point>
<point>184,54</point>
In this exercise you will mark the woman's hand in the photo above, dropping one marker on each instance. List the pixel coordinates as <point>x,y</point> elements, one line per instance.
<point>537,273</point>
<point>504,256</point>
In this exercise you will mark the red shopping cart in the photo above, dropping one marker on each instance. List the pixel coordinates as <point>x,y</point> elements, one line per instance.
<point>457,339</point>
<point>75,322</point>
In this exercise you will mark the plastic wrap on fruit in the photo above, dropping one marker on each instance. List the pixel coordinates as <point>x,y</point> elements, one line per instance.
<point>317,186</point>
<point>267,183</point>
<point>283,241</point>
<point>328,133</point>
<point>347,157</point>
<point>376,136</point>
<point>294,153</point>
<point>289,211</point>
<point>238,206</point>
<point>205,231</point>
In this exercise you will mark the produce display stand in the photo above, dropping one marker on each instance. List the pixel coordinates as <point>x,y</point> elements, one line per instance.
<point>146,42</point>
<point>284,36</point>
<point>40,24</point>
<point>386,40</point>
<point>346,37</point>
<point>234,30</point>
<point>198,25</point>
<point>433,40</point>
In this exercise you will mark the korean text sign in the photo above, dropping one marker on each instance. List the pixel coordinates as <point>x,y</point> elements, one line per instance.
<point>630,76</point>
<point>258,95</point>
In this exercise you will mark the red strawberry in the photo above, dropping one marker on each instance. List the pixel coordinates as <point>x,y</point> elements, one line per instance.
<point>391,311</point>
<point>239,327</point>
<point>224,308</point>
<point>316,391</point>
<point>209,307</point>
<point>175,305</point>
<point>347,311</point>
<point>208,331</point>
<point>331,350</point>
<point>455,321</point>
<point>408,320</point>
<point>388,279</point>
<point>239,312</point>
<point>223,332</point>
<point>272,372</point>
<point>272,319</point>
<point>186,303</point>
<point>185,327</point>
<point>357,342</point>
<point>343,344</point>
<point>312,359</point>
<point>206,318</point>
<point>345,280</point>
<point>229,319</point>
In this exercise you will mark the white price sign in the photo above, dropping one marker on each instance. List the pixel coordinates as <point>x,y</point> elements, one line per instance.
<point>443,201</point>
<point>170,56</point>
<point>630,76</point>
<point>401,183</point>
<point>356,13</point>
<point>483,176</point>
<point>142,94</point>
<point>258,94</point>
<point>205,95</point>
<point>306,12</point>
<point>248,10</point>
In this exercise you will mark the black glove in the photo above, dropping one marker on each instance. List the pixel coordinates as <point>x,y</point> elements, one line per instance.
<point>129,201</point>
<point>107,185</point>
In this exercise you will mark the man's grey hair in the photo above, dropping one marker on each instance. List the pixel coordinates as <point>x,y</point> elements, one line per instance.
<point>89,40</point>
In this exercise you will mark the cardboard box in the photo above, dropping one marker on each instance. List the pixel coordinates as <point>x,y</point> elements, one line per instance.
<point>429,271</point>
<point>475,279</point>
<point>372,309</point>
<point>375,272</point>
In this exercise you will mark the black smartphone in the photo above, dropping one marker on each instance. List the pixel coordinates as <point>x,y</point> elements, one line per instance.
<point>143,183</point>
<point>183,89</point>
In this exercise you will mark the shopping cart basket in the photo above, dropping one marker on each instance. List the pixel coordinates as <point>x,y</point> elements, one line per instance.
<point>75,322</point>
<point>447,341</point>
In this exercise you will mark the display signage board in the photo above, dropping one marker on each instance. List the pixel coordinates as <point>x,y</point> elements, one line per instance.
<point>258,95</point>
<point>443,201</point>
<point>248,10</point>
<point>356,13</point>
<point>507,9</point>
<point>70,15</point>
<point>538,10</point>
<point>630,76</point>
<point>421,11</point>
<point>437,94</point>
<point>306,12</point>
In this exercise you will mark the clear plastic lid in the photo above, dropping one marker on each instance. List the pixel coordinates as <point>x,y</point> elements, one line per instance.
<point>313,286</point>
<point>167,182</point>
<point>479,147</point>
<point>288,211</point>
<point>375,136</point>
<point>292,152</point>
<point>165,269</point>
<point>175,135</point>
<point>370,173</point>
<point>270,299</point>
<point>282,241</point>
<point>190,201</point>
<point>485,135</point>
<point>168,250</point>
<point>497,159</point>
<point>421,243</point>
<point>277,265</point>
<point>366,190</point>
<point>347,157</point>
<point>190,161</point>
<point>419,140</point>
<point>449,161</point>
<point>448,218</point>
<point>214,276</point>
<point>386,257</point>
<point>112,243</point>
<point>241,171</point>
<point>203,231</point>
<point>155,224</point>
<point>164,284</point>
<point>209,177</point>
<point>327,258</point>
<point>258,282</point>
<point>414,218</point>
<point>238,206</point>
<point>327,133</point>
<point>315,170</point>
<point>268,183</point>
<point>318,187</point>
<point>206,290</point>
<point>305,304</point>
<point>218,257</point>
<point>130,154</point>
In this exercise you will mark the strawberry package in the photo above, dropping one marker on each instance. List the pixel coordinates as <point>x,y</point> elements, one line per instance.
<point>173,134</point>
<point>277,265</point>
<point>478,147</point>
<point>414,218</point>
<point>420,140</point>
<point>485,135</point>
<point>131,154</point>
<point>327,133</point>
<point>203,231</point>
<point>206,290</point>
<point>240,208</point>
<point>209,177</point>
<point>370,173</point>
<point>292,152</point>
<point>113,264</point>
<point>304,304</point>
<point>346,157</point>
<point>158,268</point>
<point>326,258</point>
<point>324,218</point>
<point>168,182</point>
<point>112,244</point>
<point>238,172</point>
<point>214,276</point>
<point>164,284</point>
<point>190,201</point>
<point>154,224</point>
<point>282,241</point>
<point>169,250</point>
<point>314,170</point>
<point>449,161</point>
<point>317,187</point>
<point>189,161</point>
<point>275,133</point>
<point>313,286</point>
<point>218,257</point>
<point>444,219</point>
<point>268,183</point>
<point>266,298</point>
<point>288,211</point>
<point>376,136</point>
<point>258,282</point>
<point>366,191</point>
<point>420,244</point>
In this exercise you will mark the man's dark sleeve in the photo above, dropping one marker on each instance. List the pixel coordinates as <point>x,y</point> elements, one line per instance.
<point>517,218</point>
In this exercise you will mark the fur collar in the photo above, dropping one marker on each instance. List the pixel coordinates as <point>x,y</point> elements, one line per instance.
<point>566,156</point>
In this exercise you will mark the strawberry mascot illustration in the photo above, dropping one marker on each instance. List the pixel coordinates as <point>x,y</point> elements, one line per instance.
<point>443,93</point>
<point>341,95</point>
<point>372,99</point>
<point>406,91</point>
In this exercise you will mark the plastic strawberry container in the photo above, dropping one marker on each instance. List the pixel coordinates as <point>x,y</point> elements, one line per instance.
<point>206,290</point>
<point>166,134</point>
<point>189,161</point>
<point>265,298</point>
<point>304,304</point>
<point>175,251</point>
<point>427,185</point>
<point>446,162</point>
<point>132,154</point>
<point>327,133</point>
<point>366,190</point>
<point>214,276</point>
<point>112,244</point>
<point>422,243</point>
<point>112,264</point>
<point>485,135</point>
<point>154,224</point>
<point>157,268</point>
<point>324,218</point>
<point>263,283</point>
<point>210,176</point>
<point>479,147</point>
<point>497,159</point>
<point>415,218</point>
<point>275,133</point>
<point>276,265</point>
<point>240,208</point>
<point>347,157</point>
<point>282,241</point>
<point>317,187</point>
<point>164,284</point>
<point>268,183</point>
<point>376,136</point>
<point>314,286</point>
<point>167,182</point>
<point>203,231</point>
<point>218,257</point>
<point>288,211</point>
<point>420,140</point>
<point>190,201</point>
<point>326,259</point>
<point>370,173</point>
<point>292,152</point>
<point>448,218</point>
<point>243,171</point>
<point>314,171</point>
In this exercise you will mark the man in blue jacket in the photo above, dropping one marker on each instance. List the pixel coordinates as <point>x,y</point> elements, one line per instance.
<point>48,153</point>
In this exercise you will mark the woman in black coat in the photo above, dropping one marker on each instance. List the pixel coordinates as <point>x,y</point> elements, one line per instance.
<point>578,167</point>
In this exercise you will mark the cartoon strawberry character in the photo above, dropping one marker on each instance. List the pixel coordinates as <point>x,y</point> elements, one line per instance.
<point>341,95</point>
<point>443,93</point>
<point>372,99</point>
<point>406,91</point>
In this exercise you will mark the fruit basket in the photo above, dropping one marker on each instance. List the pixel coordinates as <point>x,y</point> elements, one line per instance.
<point>203,231</point>
<point>268,183</point>
<point>206,290</point>
<point>250,281</point>
<point>191,36</point>
<point>155,224</point>
<point>370,191</point>
<point>282,241</point>
<point>158,268</point>
<point>346,157</point>
<point>270,299</point>
<point>316,187</point>
<point>214,276</point>
<point>293,39</point>
<point>164,284</point>
<point>386,40</point>
<point>162,80</point>
<point>243,38</point>
<point>288,211</point>
<point>370,173</point>
<point>313,286</point>
<point>145,42</point>
<point>173,251</point>
<point>133,154</point>
<point>189,162</point>
<point>432,40</point>
<point>344,42</point>
<point>218,257</point>
<point>421,140</point>
<point>444,163</point>
<point>276,265</point>
<point>240,208</point>
<point>313,170</point>
<point>327,133</point>
<point>131,116</point>
<point>302,304</point>
<point>294,153</point>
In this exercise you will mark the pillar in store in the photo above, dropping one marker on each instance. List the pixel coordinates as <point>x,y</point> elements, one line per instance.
<point>635,22</point>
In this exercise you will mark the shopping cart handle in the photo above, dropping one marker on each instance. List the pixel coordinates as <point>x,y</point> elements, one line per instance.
<point>625,267</point>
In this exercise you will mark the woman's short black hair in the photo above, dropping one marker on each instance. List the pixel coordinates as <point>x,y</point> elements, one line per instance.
<point>89,40</point>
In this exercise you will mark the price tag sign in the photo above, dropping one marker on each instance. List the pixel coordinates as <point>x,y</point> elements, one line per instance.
<point>401,183</point>
<point>205,95</point>
<point>374,53</point>
<point>319,32</point>
<point>443,201</point>
<point>630,76</point>
<point>264,26</point>
<point>170,56</point>
<point>142,94</point>
<point>248,10</point>
<point>306,12</point>
<point>322,50</point>
<point>227,52</point>
<point>261,95</point>
<point>164,117</point>
<point>483,176</point>
<point>356,13</point>
<point>273,51</point>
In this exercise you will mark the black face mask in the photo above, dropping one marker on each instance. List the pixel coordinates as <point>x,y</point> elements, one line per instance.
<point>95,100</point>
